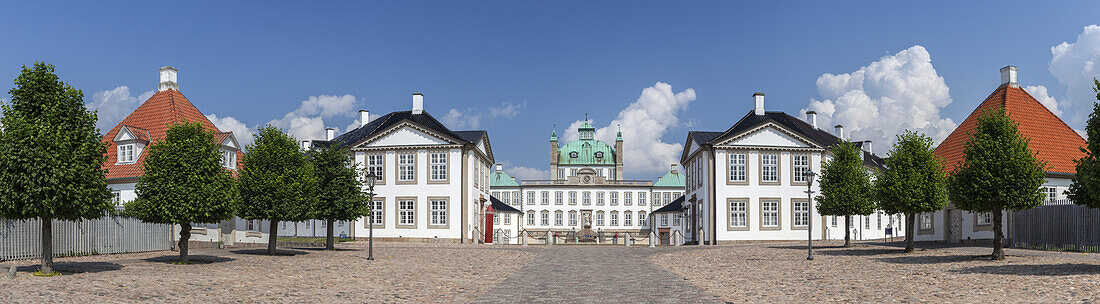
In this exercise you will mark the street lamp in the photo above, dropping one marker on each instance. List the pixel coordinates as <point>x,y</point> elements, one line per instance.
<point>371,178</point>
<point>809,214</point>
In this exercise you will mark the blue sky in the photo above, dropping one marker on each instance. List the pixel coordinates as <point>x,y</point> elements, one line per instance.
<point>517,69</point>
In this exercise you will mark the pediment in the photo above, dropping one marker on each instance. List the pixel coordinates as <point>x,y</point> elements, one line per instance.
<point>126,133</point>
<point>407,134</point>
<point>769,135</point>
<point>231,142</point>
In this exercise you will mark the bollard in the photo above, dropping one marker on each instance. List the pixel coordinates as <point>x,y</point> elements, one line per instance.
<point>523,234</point>
<point>626,240</point>
<point>549,239</point>
<point>676,240</point>
<point>652,237</point>
<point>11,272</point>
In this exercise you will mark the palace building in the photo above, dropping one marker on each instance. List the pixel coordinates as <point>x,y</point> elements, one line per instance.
<point>586,190</point>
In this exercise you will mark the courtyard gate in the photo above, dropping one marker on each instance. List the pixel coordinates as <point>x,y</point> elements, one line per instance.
<point>1056,225</point>
<point>21,239</point>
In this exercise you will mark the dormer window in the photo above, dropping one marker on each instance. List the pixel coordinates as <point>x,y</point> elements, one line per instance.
<point>572,154</point>
<point>126,153</point>
<point>599,154</point>
<point>229,159</point>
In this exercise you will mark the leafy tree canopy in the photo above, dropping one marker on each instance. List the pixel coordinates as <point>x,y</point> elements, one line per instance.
<point>277,181</point>
<point>999,171</point>
<point>1085,189</point>
<point>339,190</point>
<point>913,181</point>
<point>845,183</point>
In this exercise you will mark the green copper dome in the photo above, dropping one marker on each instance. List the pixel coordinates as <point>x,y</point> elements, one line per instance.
<point>501,179</point>
<point>586,152</point>
<point>672,179</point>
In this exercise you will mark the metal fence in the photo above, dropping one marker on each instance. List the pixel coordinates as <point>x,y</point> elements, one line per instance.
<point>21,239</point>
<point>1057,225</point>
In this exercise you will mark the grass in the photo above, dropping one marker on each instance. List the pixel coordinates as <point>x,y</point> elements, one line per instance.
<point>311,239</point>
<point>182,263</point>
<point>41,274</point>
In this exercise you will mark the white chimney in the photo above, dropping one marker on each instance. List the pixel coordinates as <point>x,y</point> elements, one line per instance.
<point>1008,75</point>
<point>673,168</point>
<point>758,99</point>
<point>840,131</point>
<point>168,79</point>
<point>330,133</point>
<point>867,146</point>
<point>305,145</point>
<point>500,167</point>
<point>812,116</point>
<point>418,103</point>
<point>364,117</point>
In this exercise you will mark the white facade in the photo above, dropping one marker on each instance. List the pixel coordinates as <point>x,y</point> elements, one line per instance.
<point>954,225</point>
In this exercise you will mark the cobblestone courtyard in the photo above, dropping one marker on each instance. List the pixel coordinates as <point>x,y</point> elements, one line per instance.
<point>449,273</point>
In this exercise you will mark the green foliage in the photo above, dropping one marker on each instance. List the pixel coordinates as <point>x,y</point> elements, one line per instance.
<point>277,182</point>
<point>914,181</point>
<point>999,172</point>
<point>339,191</point>
<point>39,273</point>
<point>51,154</point>
<point>1085,189</point>
<point>845,183</point>
<point>184,180</point>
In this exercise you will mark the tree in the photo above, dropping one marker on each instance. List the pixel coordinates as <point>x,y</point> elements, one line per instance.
<point>184,182</point>
<point>845,187</point>
<point>998,173</point>
<point>51,156</point>
<point>340,194</point>
<point>913,181</point>
<point>1085,189</point>
<point>276,183</point>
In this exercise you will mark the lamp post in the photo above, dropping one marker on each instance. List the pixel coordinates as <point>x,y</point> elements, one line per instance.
<point>810,215</point>
<point>371,178</point>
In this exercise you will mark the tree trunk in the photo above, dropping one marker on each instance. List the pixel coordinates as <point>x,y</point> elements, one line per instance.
<point>185,236</point>
<point>330,240</point>
<point>909,224</point>
<point>47,245</point>
<point>998,237</point>
<point>272,237</point>
<point>847,231</point>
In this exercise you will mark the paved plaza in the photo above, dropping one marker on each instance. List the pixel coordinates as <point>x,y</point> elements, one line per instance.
<point>467,273</point>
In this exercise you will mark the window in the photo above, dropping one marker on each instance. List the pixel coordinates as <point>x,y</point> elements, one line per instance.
<point>406,212</point>
<point>561,173</point>
<point>496,194</point>
<point>572,172</point>
<point>116,197</point>
<point>612,175</point>
<point>985,218</point>
<point>626,199</point>
<point>834,221</point>
<point>507,197</point>
<point>668,198</point>
<point>801,163</point>
<point>557,218</point>
<point>599,198</point>
<point>641,198</point>
<point>626,219</point>
<point>599,154</point>
<point>496,219</point>
<point>664,219</point>
<point>738,168</point>
<point>926,221</point>
<point>614,198</point>
<point>599,218</point>
<point>866,222</point>
<point>229,159</point>
<point>642,219</point>
<point>375,164</point>
<point>439,212</point>
<point>769,168</point>
<point>378,212</point>
<point>507,218</point>
<point>572,218</point>
<point>557,198</point>
<point>439,166</point>
<point>530,218</point>
<point>546,197</point>
<point>614,218</point>
<point>739,216</point>
<point>769,214</point>
<point>801,213</point>
<point>306,222</point>
<point>515,198</point>
<point>676,219</point>
<point>530,197</point>
<point>406,167</point>
<point>587,198</point>
<point>545,218</point>
<point>572,197</point>
<point>125,153</point>
<point>251,225</point>
<point>879,221</point>
<point>1051,194</point>
<point>572,154</point>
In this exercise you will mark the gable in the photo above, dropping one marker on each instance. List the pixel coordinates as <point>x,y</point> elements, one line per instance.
<point>124,135</point>
<point>231,142</point>
<point>768,135</point>
<point>481,146</point>
<point>406,135</point>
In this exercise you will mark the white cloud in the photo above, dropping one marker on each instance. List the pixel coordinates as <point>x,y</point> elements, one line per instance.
<point>1074,66</point>
<point>241,131</point>
<point>307,122</point>
<point>884,98</point>
<point>522,173</point>
<point>1040,94</point>
<point>644,122</point>
<point>355,123</point>
<point>115,104</point>
<point>471,118</point>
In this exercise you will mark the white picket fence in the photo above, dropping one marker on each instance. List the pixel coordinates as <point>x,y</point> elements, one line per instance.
<point>21,239</point>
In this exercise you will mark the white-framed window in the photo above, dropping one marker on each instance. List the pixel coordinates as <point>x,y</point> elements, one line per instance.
<point>664,219</point>
<point>642,219</point>
<point>572,172</point>
<point>530,218</point>
<point>626,219</point>
<point>675,219</point>
<point>561,173</point>
<point>558,198</point>
<point>866,222</point>
<point>627,198</point>
<point>985,218</point>
<point>126,153</point>
<point>439,212</point>
<point>507,197</point>
<point>738,167</point>
<point>614,218</point>
<point>769,213</point>
<point>739,216</point>
<point>801,213</point>
<point>599,218</point>
<point>1051,193</point>
<point>558,218</point>
<point>507,218</point>
<point>545,197</point>
<point>614,198</point>
<point>612,174</point>
<point>641,198</point>
<point>438,166</point>
<point>376,164</point>
<point>530,197</point>
<point>496,219</point>
<point>406,167</point>
<point>801,163</point>
<point>406,212</point>
<point>515,198</point>
<point>496,194</point>
<point>545,218</point>
<point>926,221</point>
<point>251,225</point>
<point>116,198</point>
<point>668,199</point>
<point>587,198</point>
<point>834,220</point>
<point>229,159</point>
<point>572,197</point>
<point>572,218</point>
<point>878,222</point>
<point>769,168</point>
<point>599,198</point>
<point>378,212</point>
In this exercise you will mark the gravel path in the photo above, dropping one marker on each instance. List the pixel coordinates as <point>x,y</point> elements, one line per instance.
<point>871,273</point>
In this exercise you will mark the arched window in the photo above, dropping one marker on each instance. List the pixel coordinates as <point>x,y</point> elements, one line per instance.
<point>572,154</point>
<point>599,154</point>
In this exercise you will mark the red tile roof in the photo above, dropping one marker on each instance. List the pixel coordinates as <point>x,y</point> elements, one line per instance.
<point>1051,139</point>
<point>153,117</point>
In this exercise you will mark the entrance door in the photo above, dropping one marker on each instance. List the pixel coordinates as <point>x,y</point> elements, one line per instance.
<point>586,219</point>
<point>665,236</point>
<point>225,229</point>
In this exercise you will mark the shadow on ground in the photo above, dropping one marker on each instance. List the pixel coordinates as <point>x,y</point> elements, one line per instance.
<point>75,267</point>
<point>1035,270</point>
<point>195,259</point>
<point>840,250</point>
<point>279,252</point>
<point>939,259</point>
<point>323,249</point>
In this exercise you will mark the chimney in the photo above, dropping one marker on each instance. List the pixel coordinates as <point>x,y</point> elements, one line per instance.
<point>418,103</point>
<point>812,116</point>
<point>305,145</point>
<point>500,167</point>
<point>168,79</point>
<point>840,131</point>
<point>364,117</point>
<point>1008,75</point>
<point>758,99</point>
<point>330,133</point>
<point>867,146</point>
<point>673,168</point>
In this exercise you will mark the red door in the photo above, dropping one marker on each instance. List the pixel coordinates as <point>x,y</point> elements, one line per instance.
<point>489,214</point>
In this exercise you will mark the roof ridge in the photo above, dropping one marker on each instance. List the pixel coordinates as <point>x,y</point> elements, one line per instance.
<point>1044,107</point>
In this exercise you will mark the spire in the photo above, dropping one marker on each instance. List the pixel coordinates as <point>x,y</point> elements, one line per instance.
<point>619,134</point>
<point>554,133</point>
